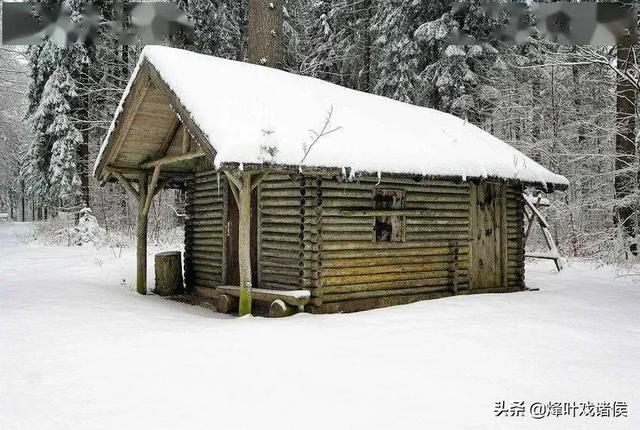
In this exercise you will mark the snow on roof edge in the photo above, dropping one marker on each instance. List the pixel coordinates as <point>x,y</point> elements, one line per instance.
<point>156,56</point>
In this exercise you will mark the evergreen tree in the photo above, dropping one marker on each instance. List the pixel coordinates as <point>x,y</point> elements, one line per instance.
<point>454,76</point>
<point>397,59</point>
<point>219,27</point>
<point>339,43</point>
<point>44,60</point>
<point>53,123</point>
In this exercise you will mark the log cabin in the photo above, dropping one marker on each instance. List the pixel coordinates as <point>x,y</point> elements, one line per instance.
<point>316,197</point>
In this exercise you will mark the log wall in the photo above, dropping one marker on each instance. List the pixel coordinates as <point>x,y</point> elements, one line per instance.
<point>360,273</point>
<point>287,214</point>
<point>308,238</point>
<point>515,237</point>
<point>204,230</point>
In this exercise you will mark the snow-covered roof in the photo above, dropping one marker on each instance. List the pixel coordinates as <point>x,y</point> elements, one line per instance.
<point>254,114</point>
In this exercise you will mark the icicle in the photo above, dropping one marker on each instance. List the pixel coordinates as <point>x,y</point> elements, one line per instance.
<point>379,178</point>
<point>344,172</point>
<point>241,167</point>
<point>300,169</point>
<point>352,174</point>
<point>464,177</point>
<point>218,182</point>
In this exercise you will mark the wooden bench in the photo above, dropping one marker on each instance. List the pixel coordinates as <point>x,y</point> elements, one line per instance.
<point>282,302</point>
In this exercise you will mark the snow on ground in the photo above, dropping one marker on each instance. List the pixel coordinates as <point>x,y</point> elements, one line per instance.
<point>80,350</point>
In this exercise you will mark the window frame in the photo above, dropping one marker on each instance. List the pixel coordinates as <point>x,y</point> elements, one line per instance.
<point>394,220</point>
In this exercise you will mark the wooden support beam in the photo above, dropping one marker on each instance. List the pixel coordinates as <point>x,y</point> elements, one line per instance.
<point>237,182</point>
<point>152,189</point>
<point>172,159</point>
<point>241,188</point>
<point>125,170</point>
<point>166,142</point>
<point>141,237</point>
<point>163,183</point>
<point>257,179</point>
<point>186,140</point>
<point>126,184</point>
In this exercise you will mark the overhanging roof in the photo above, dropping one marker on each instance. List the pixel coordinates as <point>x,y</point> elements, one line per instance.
<point>249,114</point>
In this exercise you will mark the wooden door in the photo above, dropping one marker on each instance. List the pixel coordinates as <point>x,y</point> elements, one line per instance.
<point>232,276</point>
<point>488,233</point>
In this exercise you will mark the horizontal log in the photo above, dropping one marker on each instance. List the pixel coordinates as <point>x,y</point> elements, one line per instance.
<point>389,252</point>
<point>438,221</point>
<point>330,298</point>
<point>401,260</point>
<point>329,273</point>
<point>289,220</point>
<point>204,262</point>
<point>284,246</point>
<point>216,256</point>
<point>375,246</point>
<point>279,286</point>
<point>375,302</point>
<point>204,271</point>
<point>429,228</point>
<point>202,230</point>
<point>214,239</point>
<point>267,253</point>
<point>413,213</point>
<point>330,281</point>
<point>206,248</point>
<point>280,263</point>
<point>204,201</point>
<point>435,198</point>
<point>203,222</point>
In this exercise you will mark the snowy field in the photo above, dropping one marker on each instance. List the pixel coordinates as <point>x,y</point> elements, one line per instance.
<point>81,350</point>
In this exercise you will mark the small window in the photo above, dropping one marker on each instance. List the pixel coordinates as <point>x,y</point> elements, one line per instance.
<point>389,227</point>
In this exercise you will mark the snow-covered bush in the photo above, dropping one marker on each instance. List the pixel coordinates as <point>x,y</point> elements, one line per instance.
<point>62,231</point>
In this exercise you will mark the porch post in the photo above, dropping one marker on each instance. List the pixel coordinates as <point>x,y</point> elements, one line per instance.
<point>241,186</point>
<point>141,236</point>
<point>244,243</point>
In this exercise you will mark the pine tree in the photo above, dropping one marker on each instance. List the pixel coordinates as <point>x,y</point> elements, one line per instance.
<point>320,59</point>
<point>218,27</point>
<point>53,122</point>
<point>397,60</point>
<point>454,78</point>
<point>43,60</point>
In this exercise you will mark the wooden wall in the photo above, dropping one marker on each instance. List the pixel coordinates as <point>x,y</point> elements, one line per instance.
<point>308,238</point>
<point>286,220</point>
<point>204,229</point>
<point>360,273</point>
<point>515,237</point>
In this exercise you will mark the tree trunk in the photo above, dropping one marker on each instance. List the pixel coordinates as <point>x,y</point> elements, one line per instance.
<point>168,270</point>
<point>625,163</point>
<point>22,200</point>
<point>265,33</point>
<point>141,238</point>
